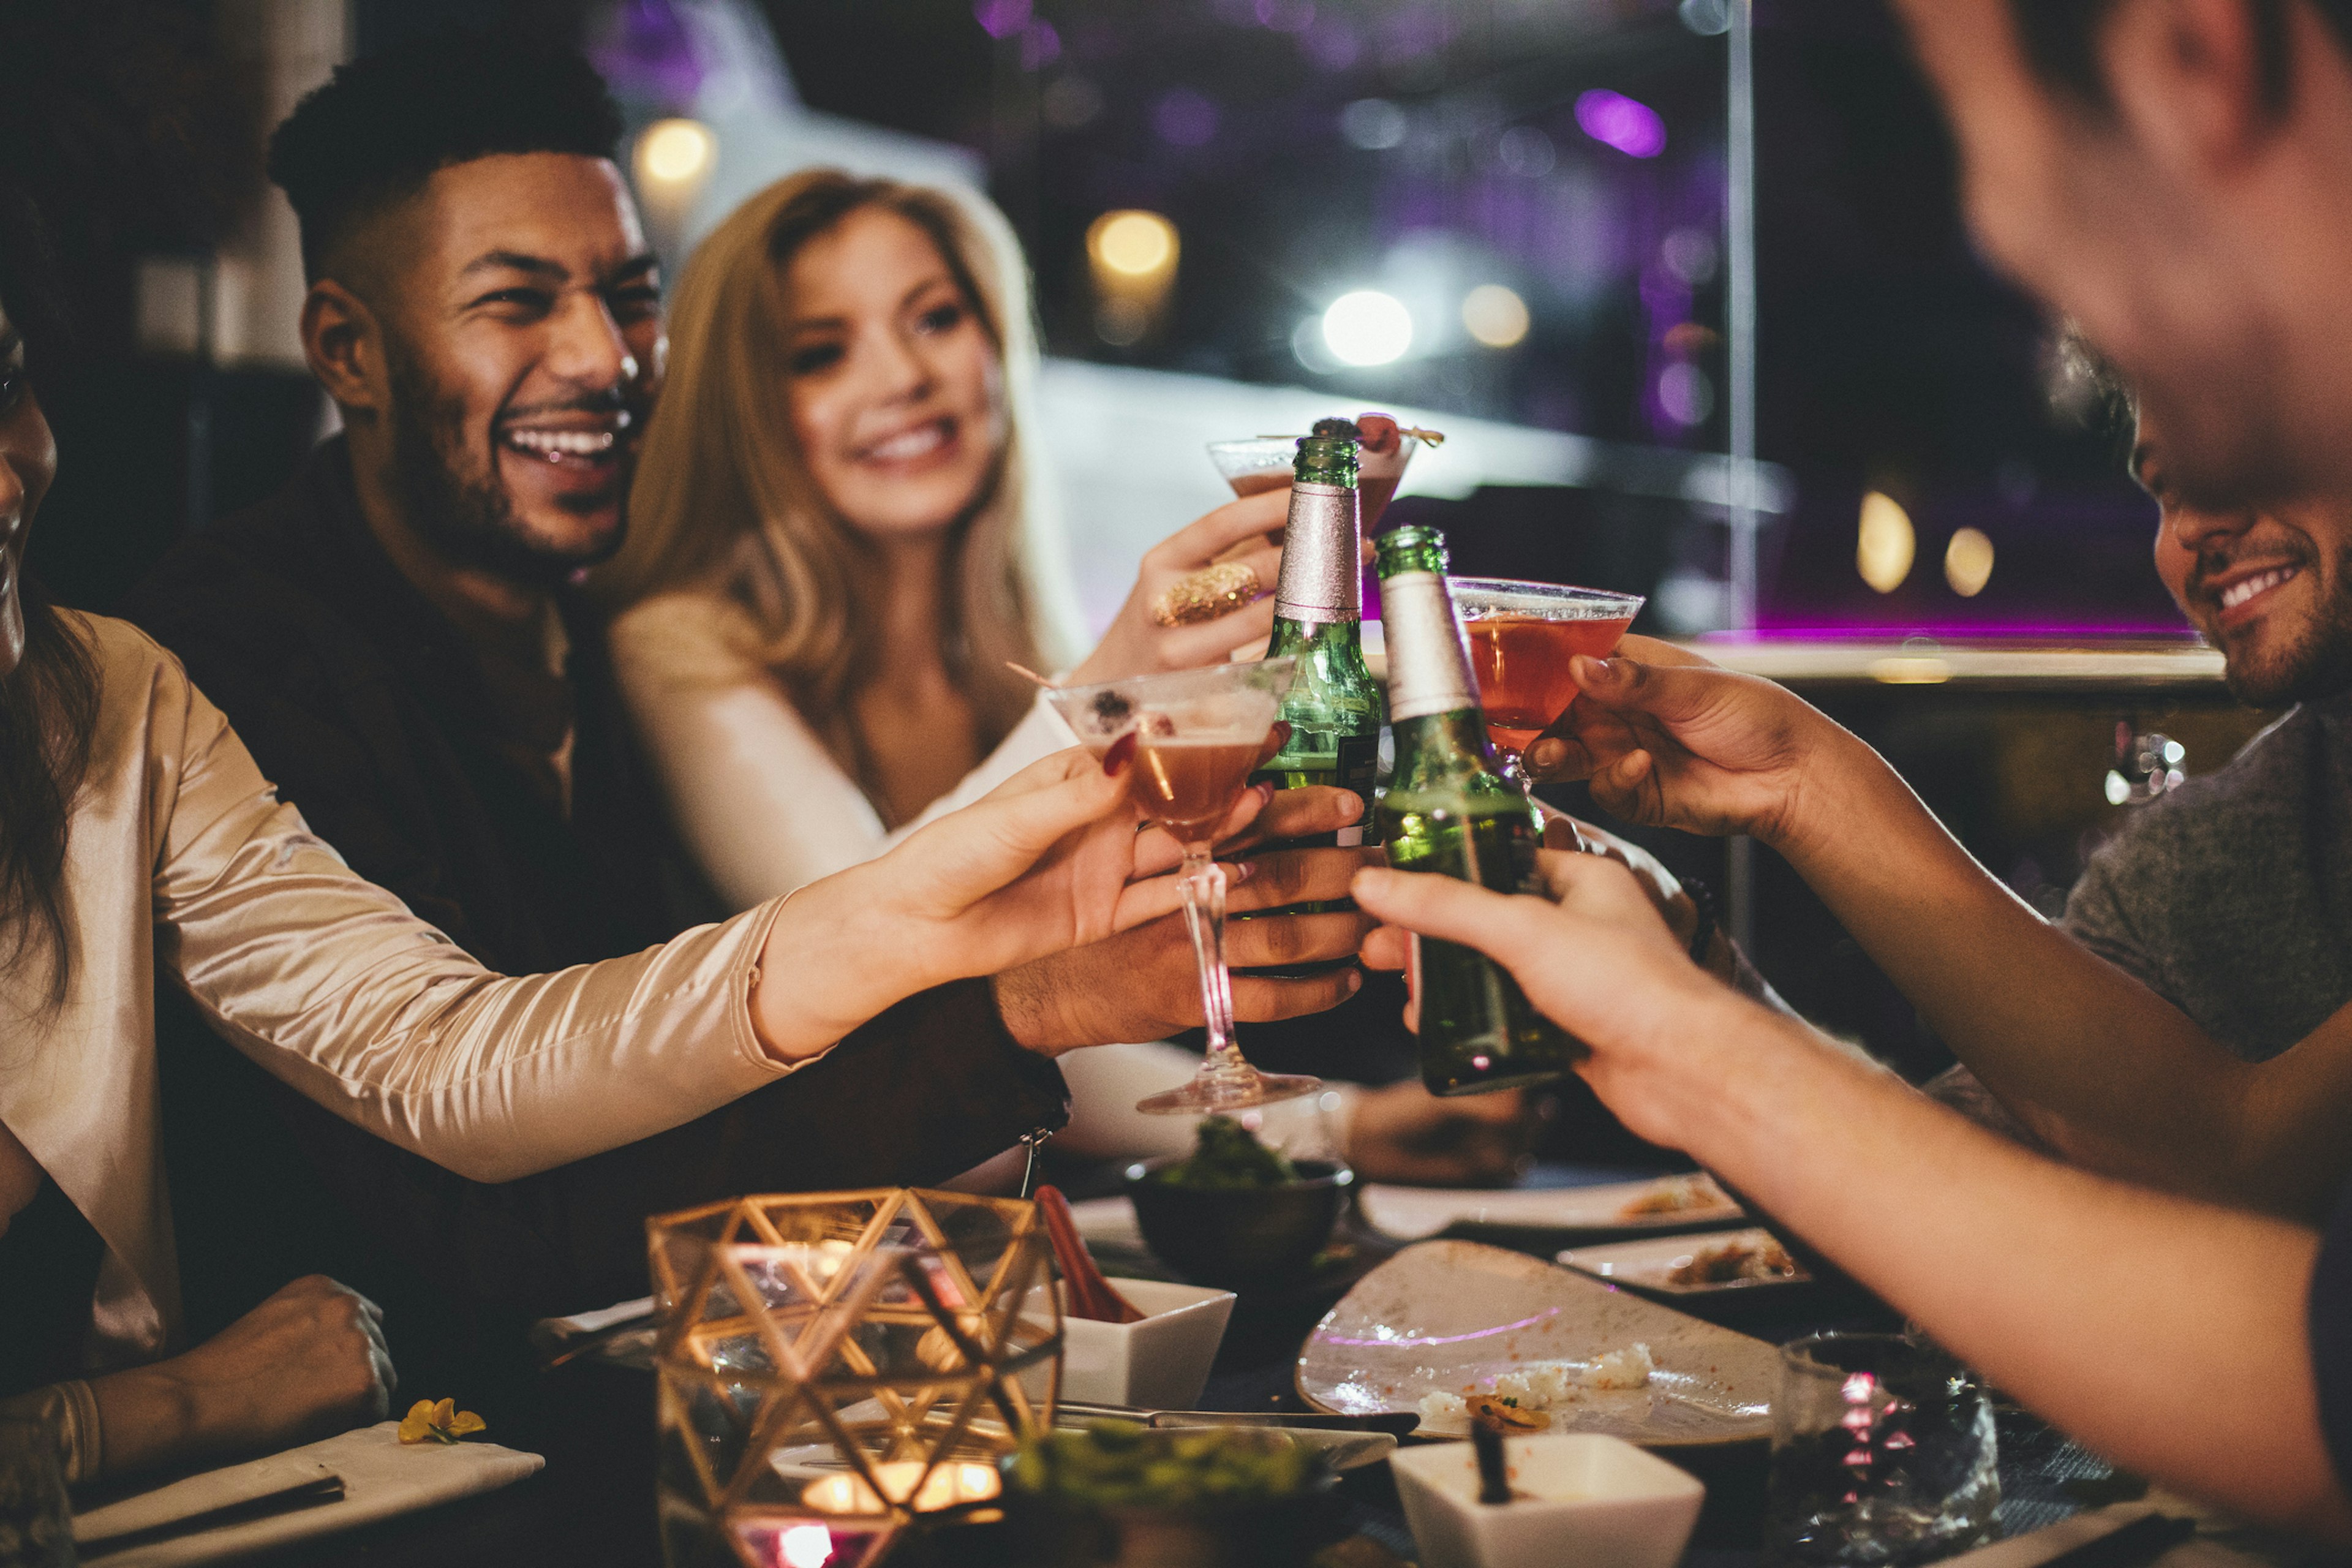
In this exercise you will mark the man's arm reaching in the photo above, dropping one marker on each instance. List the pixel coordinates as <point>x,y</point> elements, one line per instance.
<point>2087,1056</point>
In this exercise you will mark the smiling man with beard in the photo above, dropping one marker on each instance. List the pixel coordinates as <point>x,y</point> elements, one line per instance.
<point>2232,896</point>
<point>396,637</point>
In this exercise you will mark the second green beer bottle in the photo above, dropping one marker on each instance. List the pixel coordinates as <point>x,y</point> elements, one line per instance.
<point>1334,706</point>
<point>1448,809</point>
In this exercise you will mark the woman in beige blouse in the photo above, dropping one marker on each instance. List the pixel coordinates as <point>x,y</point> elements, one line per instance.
<point>834,555</point>
<point>137,837</point>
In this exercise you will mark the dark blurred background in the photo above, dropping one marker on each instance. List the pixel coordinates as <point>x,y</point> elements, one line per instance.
<point>1535,189</point>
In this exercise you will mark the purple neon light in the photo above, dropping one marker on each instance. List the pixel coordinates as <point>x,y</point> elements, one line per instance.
<point>1002,18</point>
<point>1446,1338</point>
<point>1616,121</point>
<point>1981,632</point>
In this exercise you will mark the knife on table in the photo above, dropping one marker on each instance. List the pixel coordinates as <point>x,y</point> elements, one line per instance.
<point>1395,1423</point>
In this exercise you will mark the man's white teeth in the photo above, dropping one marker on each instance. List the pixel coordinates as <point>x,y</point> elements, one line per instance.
<point>2238,592</point>
<point>563,443</point>
<point>914,443</point>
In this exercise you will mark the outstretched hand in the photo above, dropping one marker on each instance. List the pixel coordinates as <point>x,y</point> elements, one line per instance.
<point>1667,739</point>
<point>1049,859</point>
<point>1237,532</point>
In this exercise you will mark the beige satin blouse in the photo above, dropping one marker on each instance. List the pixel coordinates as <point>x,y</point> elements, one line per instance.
<point>179,855</point>
<point>757,799</point>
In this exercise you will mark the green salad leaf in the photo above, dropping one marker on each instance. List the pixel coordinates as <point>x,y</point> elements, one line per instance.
<point>1228,1156</point>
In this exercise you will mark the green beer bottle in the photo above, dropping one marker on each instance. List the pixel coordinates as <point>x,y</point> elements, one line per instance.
<point>1334,707</point>
<point>1448,809</point>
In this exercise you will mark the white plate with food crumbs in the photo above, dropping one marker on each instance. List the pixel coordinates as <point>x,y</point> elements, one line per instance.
<point>1409,1213</point>
<point>1692,1265</point>
<point>1445,1323</point>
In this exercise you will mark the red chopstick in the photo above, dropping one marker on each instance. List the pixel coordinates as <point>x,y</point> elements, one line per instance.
<point>1089,1294</point>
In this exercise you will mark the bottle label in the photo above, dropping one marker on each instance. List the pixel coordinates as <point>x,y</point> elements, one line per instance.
<point>1322,566</point>
<point>1429,657</point>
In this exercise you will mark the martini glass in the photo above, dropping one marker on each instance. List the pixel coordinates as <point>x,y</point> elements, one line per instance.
<point>1198,735</point>
<point>1263,463</point>
<point>1522,636</point>
<point>1259,464</point>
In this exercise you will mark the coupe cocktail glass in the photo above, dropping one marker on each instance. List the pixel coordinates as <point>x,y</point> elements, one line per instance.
<point>1197,735</point>
<point>1253,467</point>
<point>1263,463</point>
<point>1522,635</point>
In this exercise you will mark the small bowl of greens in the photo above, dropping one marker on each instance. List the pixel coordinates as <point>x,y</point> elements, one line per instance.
<point>1235,1214</point>
<point>1116,1495</point>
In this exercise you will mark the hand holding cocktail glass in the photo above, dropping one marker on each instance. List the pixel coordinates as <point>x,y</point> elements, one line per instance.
<point>1188,742</point>
<point>1668,740</point>
<point>1524,640</point>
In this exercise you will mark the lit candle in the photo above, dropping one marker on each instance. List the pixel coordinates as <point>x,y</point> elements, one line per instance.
<point>948,1485</point>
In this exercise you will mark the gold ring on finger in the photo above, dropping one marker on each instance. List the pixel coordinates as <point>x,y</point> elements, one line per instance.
<point>1207,595</point>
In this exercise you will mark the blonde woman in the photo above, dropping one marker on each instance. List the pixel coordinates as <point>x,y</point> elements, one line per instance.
<point>834,559</point>
<point>834,553</point>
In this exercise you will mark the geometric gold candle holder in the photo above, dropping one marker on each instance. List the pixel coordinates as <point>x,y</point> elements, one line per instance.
<point>834,1367</point>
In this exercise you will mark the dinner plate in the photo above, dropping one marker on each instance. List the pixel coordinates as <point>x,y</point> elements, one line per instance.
<point>1411,1214</point>
<point>1650,1263</point>
<point>1447,1316</point>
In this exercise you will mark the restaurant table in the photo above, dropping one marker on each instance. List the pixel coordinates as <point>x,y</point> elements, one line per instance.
<point>593,1504</point>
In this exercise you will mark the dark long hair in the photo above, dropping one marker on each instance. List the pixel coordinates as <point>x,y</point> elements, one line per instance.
<point>48,703</point>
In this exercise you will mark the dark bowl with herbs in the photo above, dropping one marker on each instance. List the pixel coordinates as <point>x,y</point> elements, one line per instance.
<point>1116,1494</point>
<point>1235,1214</point>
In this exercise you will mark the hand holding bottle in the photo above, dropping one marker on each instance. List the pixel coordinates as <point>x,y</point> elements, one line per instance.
<point>1594,957</point>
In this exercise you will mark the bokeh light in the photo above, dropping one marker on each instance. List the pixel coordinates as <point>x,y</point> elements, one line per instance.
<point>675,151</point>
<point>1494,316</point>
<point>1685,394</point>
<point>1132,242</point>
<point>1366,327</point>
<point>1616,121</point>
<point>1968,562</point>
<point>1885,544</point>
<point>1373,124</point>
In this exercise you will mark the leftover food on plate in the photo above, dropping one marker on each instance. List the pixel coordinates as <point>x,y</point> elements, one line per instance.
<point>1513,1399</point>
<point>1759,1259</point>
<point>1677,1196</point>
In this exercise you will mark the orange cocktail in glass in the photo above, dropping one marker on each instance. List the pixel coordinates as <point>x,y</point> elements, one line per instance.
<point>1522,636</point>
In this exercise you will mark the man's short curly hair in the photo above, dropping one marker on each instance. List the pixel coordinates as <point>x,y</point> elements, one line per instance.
<point>377,131</point>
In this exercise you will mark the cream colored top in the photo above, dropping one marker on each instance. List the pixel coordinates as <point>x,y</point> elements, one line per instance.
<point>180,856</point>
<point>759,803</point>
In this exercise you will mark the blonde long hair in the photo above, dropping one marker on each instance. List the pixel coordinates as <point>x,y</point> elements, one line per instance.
<point>723,500</point>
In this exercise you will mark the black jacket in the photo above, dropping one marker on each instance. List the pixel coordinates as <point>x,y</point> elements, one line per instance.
<point>365,705</point>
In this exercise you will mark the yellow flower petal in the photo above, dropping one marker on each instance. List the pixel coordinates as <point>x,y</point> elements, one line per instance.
<point>417,1426</point>
<point>444,1412</point>
<point>468,1422</point>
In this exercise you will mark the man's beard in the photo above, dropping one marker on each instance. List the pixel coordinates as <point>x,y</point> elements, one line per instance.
<point>2317,664</point>
<point>471,521</point>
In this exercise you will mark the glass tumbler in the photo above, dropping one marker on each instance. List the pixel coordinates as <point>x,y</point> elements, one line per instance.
<point>1883,1455</point>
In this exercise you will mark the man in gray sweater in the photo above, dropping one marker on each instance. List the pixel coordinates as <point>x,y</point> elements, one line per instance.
<point>2232,896</point>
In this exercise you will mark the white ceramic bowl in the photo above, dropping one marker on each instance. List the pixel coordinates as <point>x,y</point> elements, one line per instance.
<point>1161,1363</point>
<point>1595,1501</point>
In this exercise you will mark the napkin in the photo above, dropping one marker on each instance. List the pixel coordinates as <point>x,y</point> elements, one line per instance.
<point>382,1477</point>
